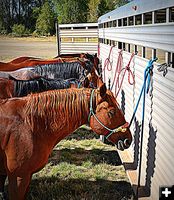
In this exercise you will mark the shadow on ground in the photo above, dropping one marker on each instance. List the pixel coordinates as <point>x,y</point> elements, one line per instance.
<point>78,189</point>
<point>78,155</point>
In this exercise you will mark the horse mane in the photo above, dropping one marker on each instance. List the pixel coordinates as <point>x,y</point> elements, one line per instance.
<point>25,87</point>
<point>57,107</point>
<point>62,70</point>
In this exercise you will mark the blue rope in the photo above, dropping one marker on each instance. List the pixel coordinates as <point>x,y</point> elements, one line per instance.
<point>145,89</point>
<point>147,79</point>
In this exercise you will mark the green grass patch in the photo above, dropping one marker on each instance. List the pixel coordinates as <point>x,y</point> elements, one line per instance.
<point>81,169</point>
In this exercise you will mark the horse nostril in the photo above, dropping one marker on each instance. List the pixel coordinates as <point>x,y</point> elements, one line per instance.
<point>127,143</point>
<point>120,145</point>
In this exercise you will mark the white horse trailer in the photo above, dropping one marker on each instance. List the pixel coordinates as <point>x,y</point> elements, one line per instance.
<point>78,38</point>
<point>141,30</point>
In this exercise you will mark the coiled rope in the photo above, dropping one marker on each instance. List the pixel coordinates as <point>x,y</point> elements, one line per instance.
<point>119,70</point>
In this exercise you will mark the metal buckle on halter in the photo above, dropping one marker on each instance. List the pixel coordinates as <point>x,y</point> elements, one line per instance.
<point>123,128</point>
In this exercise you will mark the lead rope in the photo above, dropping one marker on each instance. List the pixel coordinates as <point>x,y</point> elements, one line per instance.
<point>130,74</point>
<point>119,69</point>
<point>148,73</point>
<point>118,66</point>
<point>108,63</point>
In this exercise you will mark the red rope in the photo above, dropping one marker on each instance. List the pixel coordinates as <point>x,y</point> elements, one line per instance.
<point>107,63</point>
<point>118,71</point>
<point>119,83</point>
<point>118,66</point>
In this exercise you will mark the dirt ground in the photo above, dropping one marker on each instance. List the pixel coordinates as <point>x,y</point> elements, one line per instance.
<point>11,48</point>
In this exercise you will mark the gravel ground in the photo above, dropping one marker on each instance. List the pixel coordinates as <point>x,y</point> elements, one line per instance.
<point>11,48</point>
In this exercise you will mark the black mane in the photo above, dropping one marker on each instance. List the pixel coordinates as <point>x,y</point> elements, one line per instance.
<point>23,88</point>
<point>64,70</point>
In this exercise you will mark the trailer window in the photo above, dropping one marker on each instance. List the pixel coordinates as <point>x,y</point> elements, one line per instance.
<point>148,18</point>
<point>124,21</point>
<point>114,23</point>
<point>160,55</point>
<point>171,14</point>
<point>130,21</point>
<point>138,19</point>
<point>160,16</point>
<point>120,22</point>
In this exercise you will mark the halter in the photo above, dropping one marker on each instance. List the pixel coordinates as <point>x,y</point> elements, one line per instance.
<point>121,128</point>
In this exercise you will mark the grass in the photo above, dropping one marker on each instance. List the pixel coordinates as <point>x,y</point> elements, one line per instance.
<point>81,169</point>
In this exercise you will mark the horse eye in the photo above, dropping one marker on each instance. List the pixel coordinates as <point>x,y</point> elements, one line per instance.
<point>111,113</point>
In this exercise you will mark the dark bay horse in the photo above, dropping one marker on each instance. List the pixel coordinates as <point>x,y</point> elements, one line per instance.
<point>69,70</point>
<point>31,126</point>
<point>53,70</point>
<point>85,77</point>
<point>18,88</point>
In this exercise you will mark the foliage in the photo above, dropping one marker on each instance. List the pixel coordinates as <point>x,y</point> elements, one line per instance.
<point>18,30</point>
<point>45,21</point>
<point>93,10</point>
<point>72,11</point>
<point>106,6</point>
<point>119,3</point>
<point>40,14</point>
<point>100,7</point>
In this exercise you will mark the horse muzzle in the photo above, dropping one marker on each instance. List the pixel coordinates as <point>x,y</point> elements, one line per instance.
<point>123,144</point>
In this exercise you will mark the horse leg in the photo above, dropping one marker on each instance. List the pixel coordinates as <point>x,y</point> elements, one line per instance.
<point>3,177</point>
<point>18,187</point>
<point>2,183</point>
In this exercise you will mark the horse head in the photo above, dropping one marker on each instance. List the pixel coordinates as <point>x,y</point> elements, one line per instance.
<point>106,118</point>
<point>95,60</point>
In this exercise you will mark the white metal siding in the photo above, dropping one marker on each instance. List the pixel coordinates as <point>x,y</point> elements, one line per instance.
<point>72,31</point>
<point>158,140</point>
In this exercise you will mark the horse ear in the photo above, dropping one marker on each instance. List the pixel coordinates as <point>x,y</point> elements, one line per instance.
<point>102,90</point>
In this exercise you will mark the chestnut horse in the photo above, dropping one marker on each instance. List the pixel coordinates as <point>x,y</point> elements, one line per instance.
<point>33,62</point>
<point>31,126</point>
<point>22,62</point>
<point>18,88</point>
<point>24,58</point>
<point>62,56</point>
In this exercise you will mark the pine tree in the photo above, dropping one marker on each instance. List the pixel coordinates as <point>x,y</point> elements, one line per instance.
<point>93,10</point>
<point>45,21</point>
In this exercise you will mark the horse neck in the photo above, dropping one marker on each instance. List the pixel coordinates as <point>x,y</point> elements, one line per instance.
<point>60,111</point>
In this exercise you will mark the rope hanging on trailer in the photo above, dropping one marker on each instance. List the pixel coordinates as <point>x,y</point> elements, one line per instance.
<point>107,63</point>
<point>119,71</point>
<point>118,66</point>
<point>148,73</point>
<point>164,68</point>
